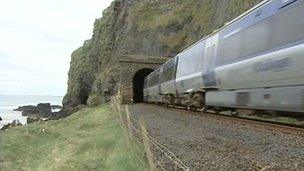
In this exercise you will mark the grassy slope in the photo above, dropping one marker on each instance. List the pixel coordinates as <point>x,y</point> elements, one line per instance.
<point>91,139</point>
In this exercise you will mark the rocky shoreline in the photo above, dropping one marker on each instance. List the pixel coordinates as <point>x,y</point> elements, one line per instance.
<point>42,110</point>
<point>40,113</point>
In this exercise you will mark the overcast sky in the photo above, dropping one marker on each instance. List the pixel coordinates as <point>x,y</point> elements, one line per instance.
<point>37,38</point>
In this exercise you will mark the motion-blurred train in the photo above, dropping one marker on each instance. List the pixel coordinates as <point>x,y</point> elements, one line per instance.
<point>254,62</point>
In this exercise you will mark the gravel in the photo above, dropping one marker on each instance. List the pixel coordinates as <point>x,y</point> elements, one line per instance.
<point>212,143</point>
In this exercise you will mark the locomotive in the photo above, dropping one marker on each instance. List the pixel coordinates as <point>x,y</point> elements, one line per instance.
<point>254,62</point>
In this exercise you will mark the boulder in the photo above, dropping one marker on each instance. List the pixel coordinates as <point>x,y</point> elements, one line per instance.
<point>42,110</point>
<point>27,110</point>
<point>16,122</point>
<point>44,107</point>
<point>5,127</point>
<point>21,108</point>
<point>32,119</point>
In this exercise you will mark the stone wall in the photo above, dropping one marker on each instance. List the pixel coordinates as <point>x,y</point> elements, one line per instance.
<point>129,66</point>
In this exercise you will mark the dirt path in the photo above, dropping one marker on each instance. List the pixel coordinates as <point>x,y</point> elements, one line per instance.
<point>210,143</point>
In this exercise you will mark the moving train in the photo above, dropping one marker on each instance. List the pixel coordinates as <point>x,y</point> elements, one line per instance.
<point>254,62</point>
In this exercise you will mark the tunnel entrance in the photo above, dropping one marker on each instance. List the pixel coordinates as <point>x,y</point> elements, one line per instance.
<point>83,96</point>
<point>138,84</point>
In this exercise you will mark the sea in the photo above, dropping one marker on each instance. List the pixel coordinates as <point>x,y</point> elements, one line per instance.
<point>10,102</point>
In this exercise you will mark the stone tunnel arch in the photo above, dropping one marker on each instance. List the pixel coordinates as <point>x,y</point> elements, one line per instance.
<point>138,84</point>
<point>133,70</point>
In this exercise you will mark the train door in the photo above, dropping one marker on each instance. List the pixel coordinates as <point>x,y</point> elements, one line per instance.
<point>209,61</point>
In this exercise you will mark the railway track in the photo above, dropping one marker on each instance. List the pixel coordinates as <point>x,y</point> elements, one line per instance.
<point>270,125</point>
<point>215,142</point>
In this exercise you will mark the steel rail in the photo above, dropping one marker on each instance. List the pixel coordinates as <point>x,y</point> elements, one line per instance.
<point>270,125</point>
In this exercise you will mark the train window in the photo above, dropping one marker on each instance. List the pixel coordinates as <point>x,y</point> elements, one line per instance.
<point>279,30</point>
<point>151,81</point>
<point>191,61</point>
<point>169,71</point>
<point>154,80</point>
<point>168,74</point>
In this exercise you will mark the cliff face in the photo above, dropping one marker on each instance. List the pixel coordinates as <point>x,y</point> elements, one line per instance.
<point>134,27</point>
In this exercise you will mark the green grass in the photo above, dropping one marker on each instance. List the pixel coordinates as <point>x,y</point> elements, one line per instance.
<point>91,139</point>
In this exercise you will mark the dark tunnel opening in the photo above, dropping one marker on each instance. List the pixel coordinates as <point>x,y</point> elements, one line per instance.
<point>138,84</point>
<point>83,96</point>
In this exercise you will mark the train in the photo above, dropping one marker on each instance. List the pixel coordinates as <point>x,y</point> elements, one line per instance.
<point>254,62</point>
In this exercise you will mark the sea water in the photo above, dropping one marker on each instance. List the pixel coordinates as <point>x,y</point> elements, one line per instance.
<point>10,102</point>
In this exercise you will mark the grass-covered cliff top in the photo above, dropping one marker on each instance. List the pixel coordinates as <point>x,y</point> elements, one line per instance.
<point>91,139</point>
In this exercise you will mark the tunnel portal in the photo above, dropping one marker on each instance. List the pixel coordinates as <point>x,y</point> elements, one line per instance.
<point>138,84</point>
<point>133,70</point>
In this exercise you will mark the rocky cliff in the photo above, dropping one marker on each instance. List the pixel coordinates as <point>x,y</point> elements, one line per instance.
<point>135,27</point>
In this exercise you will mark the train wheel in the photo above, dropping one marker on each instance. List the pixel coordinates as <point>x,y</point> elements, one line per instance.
<point>188,107</point>
<point>194,108</point>
<point>191,108</point>
<point>204,109</point>
<point>217,112</point>
<point>172,103</point>
<point>234,113</point>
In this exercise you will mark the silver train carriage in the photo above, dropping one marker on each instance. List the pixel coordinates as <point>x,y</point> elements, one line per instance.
<point>255,61</point>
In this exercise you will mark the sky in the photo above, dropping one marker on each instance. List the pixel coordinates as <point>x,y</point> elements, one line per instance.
<point>37,38</point>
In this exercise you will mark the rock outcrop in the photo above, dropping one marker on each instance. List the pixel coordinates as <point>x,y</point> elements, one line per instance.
<point>32,119</point>
<point>140,27</point>
<point>15,123</point>
<point>42,110</point>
